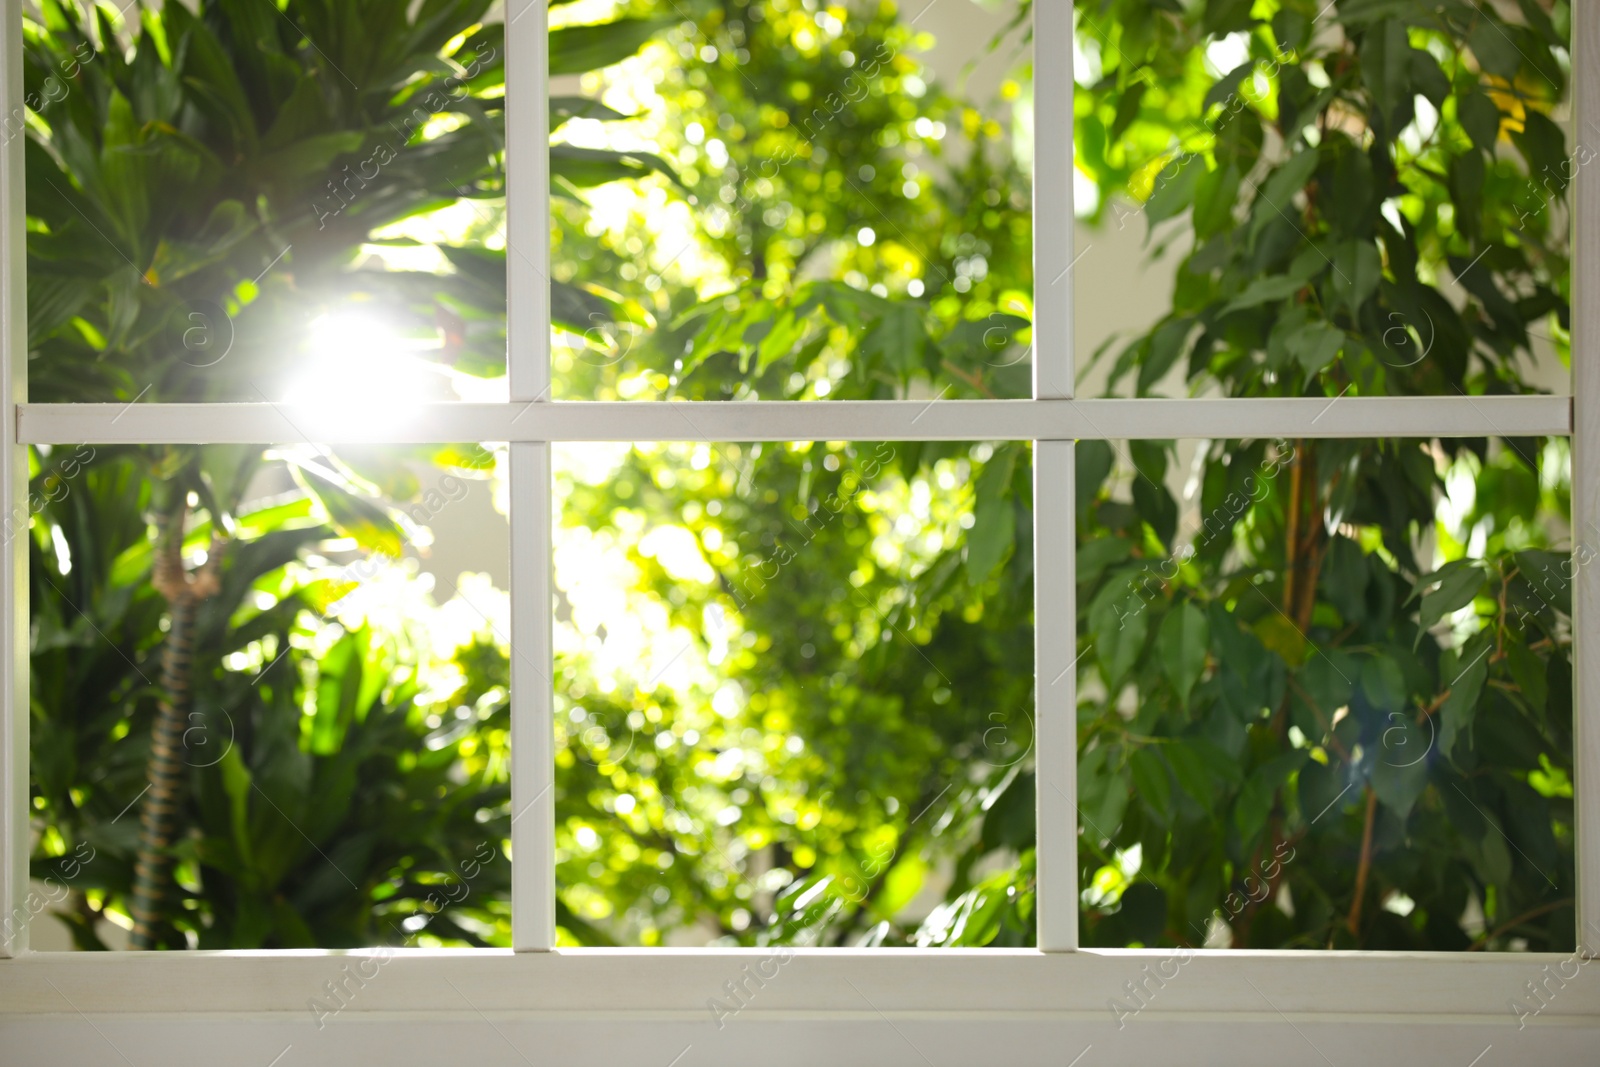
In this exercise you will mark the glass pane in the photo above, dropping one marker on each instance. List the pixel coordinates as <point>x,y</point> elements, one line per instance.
<point>251,202</point>
<point>843,207</point>
<point>1257,229</point>
<point>794,695</point>
<point>269,697</point>
<point>1326,694</point>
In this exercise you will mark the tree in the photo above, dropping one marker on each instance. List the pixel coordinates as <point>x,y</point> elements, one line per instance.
<point>200,186</point>
<point>1375,196</point>
<point>1258,689</point>
<point>821,713</point>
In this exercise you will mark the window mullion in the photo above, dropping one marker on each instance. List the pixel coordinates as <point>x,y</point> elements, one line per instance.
<point>808,420</point>
<point>1054,547</point>
<point>1586,483</point>
<point>527,200</point>
<point>1052,202</point>
<point>14,839</point>
<point>533,887</point>
<point>1055,688</point>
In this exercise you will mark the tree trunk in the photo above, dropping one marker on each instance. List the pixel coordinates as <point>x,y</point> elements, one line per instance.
<point>166,773</point>
<point>160,808</point>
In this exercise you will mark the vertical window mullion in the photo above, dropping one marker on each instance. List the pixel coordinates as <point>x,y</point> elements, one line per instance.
<point>1056,687</point>
<point>1586,481</point>
<point>527,122</point>
<point>1052,201</point>
<point>533,884</point>
<point>14,841</point>
<point>533,893</point>
<point>1055,550</point>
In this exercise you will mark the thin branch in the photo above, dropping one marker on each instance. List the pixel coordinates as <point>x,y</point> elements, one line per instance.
<point>1353,923</point>
<point>1518,921</point>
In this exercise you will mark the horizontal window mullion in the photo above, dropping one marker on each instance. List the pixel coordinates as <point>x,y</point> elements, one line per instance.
<point>892,420</point>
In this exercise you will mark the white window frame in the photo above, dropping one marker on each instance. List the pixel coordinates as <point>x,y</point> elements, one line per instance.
<point>908,1006</point>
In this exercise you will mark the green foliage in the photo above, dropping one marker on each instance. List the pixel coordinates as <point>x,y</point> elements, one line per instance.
<point>325,807</point>
<point>1371,734</point>
<point>1325,700</point>
<point>829,693</point>
<point>1297,720</point>
<point>839,255</point>
<point>203,184</point>
<point>1357,165</point>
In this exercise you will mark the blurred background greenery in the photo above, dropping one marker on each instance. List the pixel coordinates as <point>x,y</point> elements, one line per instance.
<point>1324,687</point>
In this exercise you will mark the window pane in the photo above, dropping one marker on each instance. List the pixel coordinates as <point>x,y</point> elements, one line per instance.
<point>844,207</point>
<point>1326,694</point>
<point>794,694</point>
<point>280,675</point>
<point>251,204</point>
<point>1252,232</point>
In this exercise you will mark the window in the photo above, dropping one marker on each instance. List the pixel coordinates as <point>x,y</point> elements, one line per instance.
<point>907,1006</point>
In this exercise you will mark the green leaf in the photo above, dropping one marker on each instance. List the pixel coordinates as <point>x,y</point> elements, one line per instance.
<point>1226,16</point>
<point>1385,66</point>
<point>236,784</point>
<point>1142,913</point>
<point>1182,642</point>
<point>1175,192</point>
<point>898,340</point>
<point>900,886</point>
<point>1383,683</point>
<point>1491,855</point>
<point>1263,291</point>
<point>1528,671</point>
<point>358,517</point>
<point>1399,786</point>
<point>1095,556</point>
<point>1166,345</point>
<point>227,470</point>
<point>1189,768</point>
<point>1092,462</point>
<point>1464,815</point>
<point>1254,804</point>
<point>1320,787</point>
<point>211,77</point>
<point>1316,347</point>
<point>1352,193</point>
<point>1495,51</point>
<point>994,519</point>
<point>1102,792</point>
<point>566,108</point>
<point>1450,588</point>
<point>1327,680</point>
<point>310,157</point>
<point>1278,192</point>
<point>1150,782</point>
<point>1544,145</point>
<point>1225,88</point>
<point>1119,619</point>
<point>1357,270</point>
<point>580,49</point>
<point>1215,199</point>
<point>1467,173</point>
<point>585,168</point>
<point>1480,117</point>
<point>1150,496</point>
<point>1463,678</point>
<point>1550,574</point>
<point>1427,78</point>
<point>1289,27</point>
<point>1127,109</point>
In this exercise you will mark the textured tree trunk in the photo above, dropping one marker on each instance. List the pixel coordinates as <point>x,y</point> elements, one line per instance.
<point>159,809</point>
